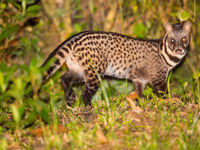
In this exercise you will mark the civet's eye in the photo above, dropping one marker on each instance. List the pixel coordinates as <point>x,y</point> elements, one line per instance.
<point>172,40</point>
<point>184,40</point>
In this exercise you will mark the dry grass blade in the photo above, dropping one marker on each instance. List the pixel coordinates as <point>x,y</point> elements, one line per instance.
<point>130,98</point>
<point>101,137</point>
<point>60,129</point>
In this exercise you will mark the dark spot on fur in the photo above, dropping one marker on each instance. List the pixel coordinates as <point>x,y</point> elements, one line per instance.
<point>50,70</point>
<point>92,80</point>
<point>79,58</point>
<point>57,62</point>
<point>90,75</point>
<point>61,54</point>
<point>65,49</point>
<point>69,45</point>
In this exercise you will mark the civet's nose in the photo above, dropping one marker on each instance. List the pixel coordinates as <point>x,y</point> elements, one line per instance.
<point>179,51</point>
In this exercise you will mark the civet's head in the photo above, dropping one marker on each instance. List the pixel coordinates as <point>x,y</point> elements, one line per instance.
<point>176,42</point>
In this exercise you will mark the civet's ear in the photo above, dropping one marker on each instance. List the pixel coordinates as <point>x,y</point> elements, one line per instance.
<point>187,26</point>
<point>168,27</point>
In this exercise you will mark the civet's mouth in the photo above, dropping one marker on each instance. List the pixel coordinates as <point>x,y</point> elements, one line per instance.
<point>179,51</point>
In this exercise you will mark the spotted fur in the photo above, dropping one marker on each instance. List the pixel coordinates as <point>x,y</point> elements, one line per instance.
<point>119,56</point>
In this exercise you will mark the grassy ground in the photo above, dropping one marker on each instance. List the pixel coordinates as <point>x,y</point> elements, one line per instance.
<point>31,29</point>
<point>158,124</point>
<point>122,122</point>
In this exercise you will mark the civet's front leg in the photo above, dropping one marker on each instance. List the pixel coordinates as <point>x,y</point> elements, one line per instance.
<point>139,86</point>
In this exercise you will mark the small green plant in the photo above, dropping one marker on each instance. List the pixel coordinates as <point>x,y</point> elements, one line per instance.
<point>168,85</point>
<point>196,86</point>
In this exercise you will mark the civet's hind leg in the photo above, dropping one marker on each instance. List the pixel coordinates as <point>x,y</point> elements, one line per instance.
<point>67,81</point>
<point>90,87</point>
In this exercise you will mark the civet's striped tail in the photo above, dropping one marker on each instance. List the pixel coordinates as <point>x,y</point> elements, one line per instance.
<point>60,55</point>
<point>57,58</point>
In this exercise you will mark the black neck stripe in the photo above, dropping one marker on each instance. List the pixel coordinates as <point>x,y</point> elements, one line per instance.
<point>166,60</point>
<point>162,47</point>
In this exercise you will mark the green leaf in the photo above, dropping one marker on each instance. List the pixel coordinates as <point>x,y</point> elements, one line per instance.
<point>34,63</point>
<point>4,144</point>
<point>14,3</point>
<point>183,15</point>
<point>15,112</point>
<point>2,6</point>
<point>23,6</point>
<point>18,83</point>
<point>25,68</point>
<point>21,110</point>
<point>30,1</point>
<point>92,7</point>
<point>42,110</point>
<point>25,41</point>
<point>8,30</point>
<point>196,75</point>
<point>79,27</point>
<point>33,10</point>
<point>2,85</point>
<point>139,30</point>
<point>3,67</point>
<point>30,118</point>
